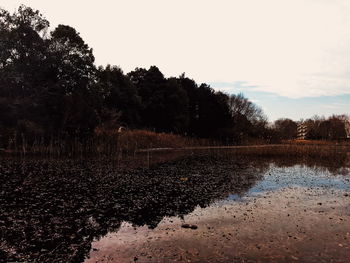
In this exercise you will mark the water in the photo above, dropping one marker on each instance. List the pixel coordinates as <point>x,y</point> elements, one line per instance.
<point>276,178</point>
<point>283,213</point>
<point>244,208</point>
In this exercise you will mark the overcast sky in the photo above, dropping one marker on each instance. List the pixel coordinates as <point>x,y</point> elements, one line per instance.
<point>292,57</point>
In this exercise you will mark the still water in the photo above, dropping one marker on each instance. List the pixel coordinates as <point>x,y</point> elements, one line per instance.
<point>192,208</point>
<point>277,210</point>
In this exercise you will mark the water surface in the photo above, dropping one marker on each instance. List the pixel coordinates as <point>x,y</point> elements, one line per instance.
<point>288,210</point>
<point>240,208</point>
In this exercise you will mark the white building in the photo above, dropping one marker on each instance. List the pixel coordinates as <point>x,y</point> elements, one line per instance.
<point>347,127</point>
<point>301,131</point>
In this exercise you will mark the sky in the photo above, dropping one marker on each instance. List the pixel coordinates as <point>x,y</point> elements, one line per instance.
<point>291,57</point>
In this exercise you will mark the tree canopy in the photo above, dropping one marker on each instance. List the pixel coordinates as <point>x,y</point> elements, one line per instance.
<point>50,87</point>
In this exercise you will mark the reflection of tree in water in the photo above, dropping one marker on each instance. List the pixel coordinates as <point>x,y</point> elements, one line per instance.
<point>52,210</point>
<point>335,163</point>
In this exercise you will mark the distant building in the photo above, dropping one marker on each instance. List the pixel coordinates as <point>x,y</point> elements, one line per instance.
<point>347,127</point>
<point>301,131</point>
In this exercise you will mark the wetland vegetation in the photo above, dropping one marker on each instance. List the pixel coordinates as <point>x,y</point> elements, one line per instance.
<point>53,209</point>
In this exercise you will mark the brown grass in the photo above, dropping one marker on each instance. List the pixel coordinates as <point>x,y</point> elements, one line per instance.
<point>136,140</point>
<point>330,155</point>
<point>317,142</point>
<point>140,139</point>
<point>129,142</point>
<point>322,152</point>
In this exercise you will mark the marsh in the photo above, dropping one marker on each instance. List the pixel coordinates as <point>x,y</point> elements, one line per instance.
<point>244,208</point>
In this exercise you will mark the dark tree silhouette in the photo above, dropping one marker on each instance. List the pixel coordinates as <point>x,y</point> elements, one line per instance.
<point>249,119</point>
<point>23,72</point>
<point>119,95</point>
<point>50,89</point>
<point>332,128</point>
<point>286,128</point>
<point>70,97</point>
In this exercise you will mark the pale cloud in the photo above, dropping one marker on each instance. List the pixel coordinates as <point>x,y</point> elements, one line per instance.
<point>293,48</point>
<point>334,106</point>
<point>232,88</point>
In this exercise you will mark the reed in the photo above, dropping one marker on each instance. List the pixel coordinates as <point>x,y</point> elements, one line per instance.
<point>118,145</point>
<point>289,150</point>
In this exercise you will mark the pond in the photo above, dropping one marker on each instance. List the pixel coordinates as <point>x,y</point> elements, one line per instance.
<point>195,208</point>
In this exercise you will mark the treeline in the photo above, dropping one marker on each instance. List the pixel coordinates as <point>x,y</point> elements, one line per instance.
<point>51,88</point>
<point>52,92</point>
<point>335,127</point>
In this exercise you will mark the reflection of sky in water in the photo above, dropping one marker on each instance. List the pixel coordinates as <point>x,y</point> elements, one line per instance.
<point>276,178</point>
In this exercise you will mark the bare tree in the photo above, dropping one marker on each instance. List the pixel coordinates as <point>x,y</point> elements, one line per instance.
<point>240,105</point>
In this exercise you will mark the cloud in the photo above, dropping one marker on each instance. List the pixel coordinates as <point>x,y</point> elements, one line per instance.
<point>292,48</point>
<point>334,106</point>
<point>232,88</point>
